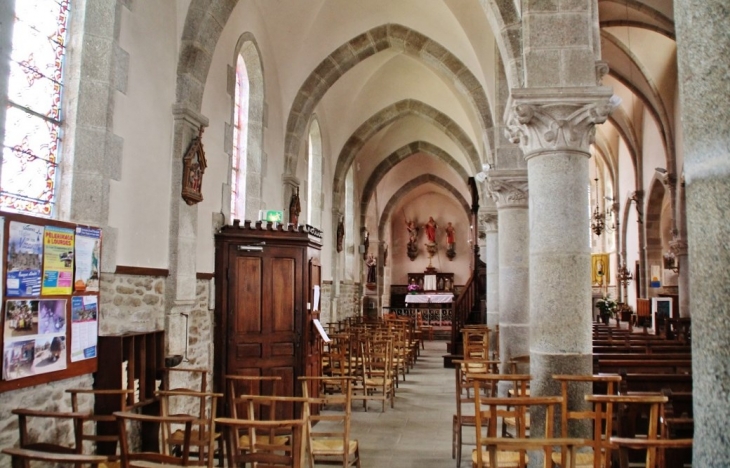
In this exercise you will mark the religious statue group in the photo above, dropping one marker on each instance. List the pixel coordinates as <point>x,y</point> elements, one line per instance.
<point>430,229</point>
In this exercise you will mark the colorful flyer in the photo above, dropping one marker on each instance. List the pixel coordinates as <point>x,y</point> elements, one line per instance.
<point>25,257</point>
<point>84,327</point>
<point>58,265</point>
<point>88,250</point>
<point>35,337</point>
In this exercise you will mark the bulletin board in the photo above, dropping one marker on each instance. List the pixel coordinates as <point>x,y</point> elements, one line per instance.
<point>50,300</point>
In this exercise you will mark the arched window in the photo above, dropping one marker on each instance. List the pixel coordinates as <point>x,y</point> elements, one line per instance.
<point>247,151</point>
<point>33,122</point>
<point>240,141</point>
<point>314,197</point>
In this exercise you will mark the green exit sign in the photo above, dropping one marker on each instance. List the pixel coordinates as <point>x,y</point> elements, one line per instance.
<point>273,216</point>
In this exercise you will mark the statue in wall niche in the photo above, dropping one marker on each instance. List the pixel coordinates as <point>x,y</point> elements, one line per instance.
<point>412,248</point>
<point>371,263</point>
<point>295,207</point>
<point>430,228</point>
<point>450,241</point>
<point>340,233</point>
<point>194,165</point>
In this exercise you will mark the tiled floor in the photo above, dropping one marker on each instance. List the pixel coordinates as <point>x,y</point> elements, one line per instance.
<point>417,432</point>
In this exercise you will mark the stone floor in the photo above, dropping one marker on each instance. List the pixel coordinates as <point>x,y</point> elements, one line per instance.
<point>417,432</point>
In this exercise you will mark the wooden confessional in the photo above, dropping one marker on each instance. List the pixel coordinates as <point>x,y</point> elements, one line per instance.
<point>266,277</point>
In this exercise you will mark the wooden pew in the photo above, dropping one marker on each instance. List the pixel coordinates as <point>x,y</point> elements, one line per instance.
<point>645,349</point>
<point>655,382</point>
<point>643,366</point>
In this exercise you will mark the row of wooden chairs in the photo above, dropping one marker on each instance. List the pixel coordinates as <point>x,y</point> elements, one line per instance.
<point>267,429</point>
<point>509,448</point>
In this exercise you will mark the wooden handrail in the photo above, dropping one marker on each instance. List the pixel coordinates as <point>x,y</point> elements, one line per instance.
<point>460,310</point>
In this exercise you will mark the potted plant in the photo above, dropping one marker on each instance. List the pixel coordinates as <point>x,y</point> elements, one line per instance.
<point>414,288</point>
<point>607,308</point>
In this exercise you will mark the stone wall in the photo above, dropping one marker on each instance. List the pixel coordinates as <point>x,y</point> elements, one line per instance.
<point>131,304</point>
<point>349,300</point>
<point>49,397</point>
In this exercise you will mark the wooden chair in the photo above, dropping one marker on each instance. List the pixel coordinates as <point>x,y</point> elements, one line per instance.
<point>202,406</point>
<point>21,458</point>
<point>464,416</point>
<point>103,434</point>
<point>493,451</point>
<point>239,385</point>
<point>142,459</point>
<point>330,444</point>
<point>240,388</point>
<point>377,365</point>
<point>568,416</point>
<point>195,380</point>
<point>476,342</point>
<point>651,446</point>
<point>60,419</point>
<point>273,441</point>
<point>606,409</point>
<point>519,388</point>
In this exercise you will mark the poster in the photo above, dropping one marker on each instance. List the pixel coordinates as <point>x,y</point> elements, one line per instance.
<point>84,327</point>
<point>88,246</point>
<point>25,252</point>
<point>35,337</point>
<point>58,261</point>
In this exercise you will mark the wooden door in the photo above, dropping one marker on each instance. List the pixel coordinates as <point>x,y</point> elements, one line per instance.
<point>264,314</point>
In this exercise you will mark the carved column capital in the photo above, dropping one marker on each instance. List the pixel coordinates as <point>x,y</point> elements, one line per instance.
<point>508,190</point>
<point>556,120</point>
<point>679,247</point>
<point>490,221</point>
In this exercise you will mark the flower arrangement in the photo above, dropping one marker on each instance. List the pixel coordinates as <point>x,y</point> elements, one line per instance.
<point>607,306</point>
<point>413,288</point>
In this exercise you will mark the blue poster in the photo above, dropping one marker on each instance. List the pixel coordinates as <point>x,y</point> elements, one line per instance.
<point>25,260</point>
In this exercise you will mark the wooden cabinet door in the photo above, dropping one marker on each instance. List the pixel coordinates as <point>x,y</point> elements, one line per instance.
<point>265,314</point>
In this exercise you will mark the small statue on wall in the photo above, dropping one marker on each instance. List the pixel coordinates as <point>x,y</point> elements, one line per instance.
<point>340,233</point>
<point>194,165</point>
<point>365,243</point>
<point>371,263</point>
<point>294,207</point>
<point>450,241</point>
<point>412,248</point>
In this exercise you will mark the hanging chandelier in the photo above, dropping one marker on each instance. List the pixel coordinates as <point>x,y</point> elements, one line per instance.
<point>598,220</point>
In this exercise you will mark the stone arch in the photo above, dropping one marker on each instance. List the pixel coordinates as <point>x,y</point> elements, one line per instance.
<point>360,48</point>
<point>656,21</point>
<point>506,22</point>
<point>389,115</point>
<point>652,101</point>
<point>247,48</point>
<point>397,156</point>
<point>412,184</point>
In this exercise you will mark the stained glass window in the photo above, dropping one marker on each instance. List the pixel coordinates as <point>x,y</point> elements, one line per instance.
<point>240,140</point>
<point>30,154</point>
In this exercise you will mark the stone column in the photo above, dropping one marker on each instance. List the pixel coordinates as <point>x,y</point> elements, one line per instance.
<point>509,190</point>
<point>181,284</point>
<point>703,40</point>
<point>555,128</point>
<point>489,220</point>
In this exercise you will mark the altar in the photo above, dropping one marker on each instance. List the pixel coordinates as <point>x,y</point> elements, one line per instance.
<point>438,298</point>
<point>434,308</point>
